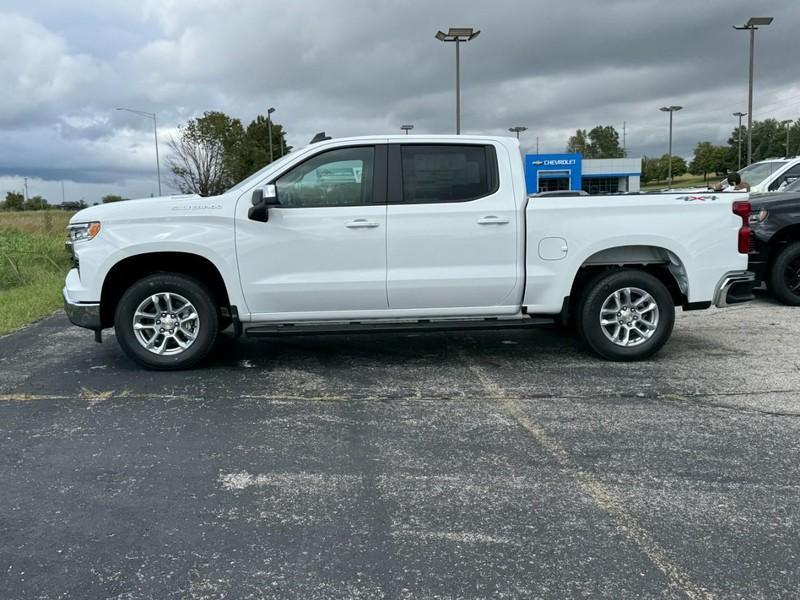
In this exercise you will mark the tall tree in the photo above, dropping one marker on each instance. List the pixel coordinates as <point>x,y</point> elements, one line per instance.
<point>648,169</point>
<point>206,154</point>
<point>604,142</point>
<point>769,139</point>
<point>679,166</point>
<point>657,169</point>
<point>255,153</point>
<point>579,143</point>
<point>601,142</point>
<point>704,159</point>
<point>14,201</point>
<point>36,203</point>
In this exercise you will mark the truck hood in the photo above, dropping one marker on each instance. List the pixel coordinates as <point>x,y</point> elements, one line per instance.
<point>142,207</point>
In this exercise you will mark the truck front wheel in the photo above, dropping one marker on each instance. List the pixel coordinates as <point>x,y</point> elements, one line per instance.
<point>166,321</point>
<point>784,275</point>
<point>625,315</point>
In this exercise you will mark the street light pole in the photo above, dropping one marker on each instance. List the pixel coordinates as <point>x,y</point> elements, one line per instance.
<point>786,123</point>
<point>458,35</point>
<point>158,162</point>
<point>751,25</point>
<point>517,129</point>
<point>739,135</point>
<point>155,137</point>
<point>670,110</point>
<point>269,130</point>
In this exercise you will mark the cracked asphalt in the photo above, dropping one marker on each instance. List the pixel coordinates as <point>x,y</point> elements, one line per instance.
<point>462,465</point>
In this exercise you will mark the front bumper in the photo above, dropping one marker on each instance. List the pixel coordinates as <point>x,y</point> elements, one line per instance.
<point>82,314</point>
<point>736,287</point>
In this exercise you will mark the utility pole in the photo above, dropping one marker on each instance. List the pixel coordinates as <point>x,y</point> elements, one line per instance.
<point>751,26</point>
<point>62,191</point>
<point>739,135</point>
<point>26,188</point>
<point>624,140</point>
<point>537,144</point>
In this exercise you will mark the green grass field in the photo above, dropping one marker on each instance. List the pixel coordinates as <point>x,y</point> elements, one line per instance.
<point>681,182</point>
<point>33,263</point>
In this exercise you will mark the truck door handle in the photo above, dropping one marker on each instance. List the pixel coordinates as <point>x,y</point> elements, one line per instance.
<point>493,220</point>
<point>361,224</point>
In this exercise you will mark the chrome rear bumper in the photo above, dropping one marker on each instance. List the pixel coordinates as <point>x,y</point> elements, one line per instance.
<point>736,287</point>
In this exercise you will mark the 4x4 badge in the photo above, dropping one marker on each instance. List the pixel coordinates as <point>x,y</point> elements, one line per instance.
<point>696,198</point>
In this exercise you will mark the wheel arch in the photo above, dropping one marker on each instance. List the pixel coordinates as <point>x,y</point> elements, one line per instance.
<point>662,263</point>
<point>133,268</point>
<point>788,234</point>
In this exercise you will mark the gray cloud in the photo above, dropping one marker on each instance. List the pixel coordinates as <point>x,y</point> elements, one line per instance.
<point>366,66</point>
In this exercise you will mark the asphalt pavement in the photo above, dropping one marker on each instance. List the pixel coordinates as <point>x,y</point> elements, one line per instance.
<point>506,464</point>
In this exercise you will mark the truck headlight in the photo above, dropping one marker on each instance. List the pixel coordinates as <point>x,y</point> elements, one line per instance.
<point>79,232</point>
<point>759,217</point>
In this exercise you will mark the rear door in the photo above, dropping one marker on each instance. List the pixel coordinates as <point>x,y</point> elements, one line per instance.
<point>452,229</point>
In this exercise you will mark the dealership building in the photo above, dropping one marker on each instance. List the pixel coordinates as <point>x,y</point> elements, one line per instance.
<point>558,172</point>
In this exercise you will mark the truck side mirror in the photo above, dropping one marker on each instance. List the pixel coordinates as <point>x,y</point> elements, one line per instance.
<point>262,199</point>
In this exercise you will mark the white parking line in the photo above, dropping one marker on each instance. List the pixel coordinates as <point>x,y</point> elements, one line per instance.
<point>595,490</point>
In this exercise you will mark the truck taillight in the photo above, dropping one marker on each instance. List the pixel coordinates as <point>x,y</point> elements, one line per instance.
<point>742,209</point>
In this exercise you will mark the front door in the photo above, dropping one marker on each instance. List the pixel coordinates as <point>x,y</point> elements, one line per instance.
<point>453,230</point>
<point>322,252</point>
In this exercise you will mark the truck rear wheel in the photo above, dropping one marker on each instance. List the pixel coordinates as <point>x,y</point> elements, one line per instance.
<point>625,315</point>
<point>784,275</point>
<point>166,321</point>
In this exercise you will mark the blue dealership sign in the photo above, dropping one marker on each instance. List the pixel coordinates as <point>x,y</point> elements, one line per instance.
<point>544,166</point>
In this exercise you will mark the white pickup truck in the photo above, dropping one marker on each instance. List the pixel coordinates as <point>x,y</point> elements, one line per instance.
<point>399,233</point>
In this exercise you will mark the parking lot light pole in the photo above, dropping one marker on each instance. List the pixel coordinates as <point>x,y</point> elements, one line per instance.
<point>458,35</point>
<point>269,130</point>
<point>739,135</point>
<point>751,26</point>
<point>517,129</point>
<point>406,128</point>
<point>155,137</point>
<point>670,110</point>
<point>788,123</point>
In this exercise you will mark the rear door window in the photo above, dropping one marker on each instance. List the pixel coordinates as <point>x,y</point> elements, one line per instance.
<point>447,173</point>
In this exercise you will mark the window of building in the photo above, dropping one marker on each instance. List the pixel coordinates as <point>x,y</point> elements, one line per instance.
<point>341,177</point>
<point>553,181</point>
<point>442,173</point>
<point>600,185</point>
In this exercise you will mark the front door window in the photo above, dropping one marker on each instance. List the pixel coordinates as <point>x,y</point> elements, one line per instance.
<point>341,177</point>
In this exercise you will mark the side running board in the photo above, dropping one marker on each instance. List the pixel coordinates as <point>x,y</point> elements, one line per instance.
<point>340,328</point>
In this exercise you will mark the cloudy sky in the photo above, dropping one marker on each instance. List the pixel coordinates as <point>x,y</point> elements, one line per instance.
<point>353,67</point>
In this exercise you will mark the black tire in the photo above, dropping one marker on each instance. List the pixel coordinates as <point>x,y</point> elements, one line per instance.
<point>595,294</point>
<point>784,275</point>
<point>190,289</point>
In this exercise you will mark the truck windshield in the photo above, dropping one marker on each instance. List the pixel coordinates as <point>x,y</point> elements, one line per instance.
<point>758,172</point>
